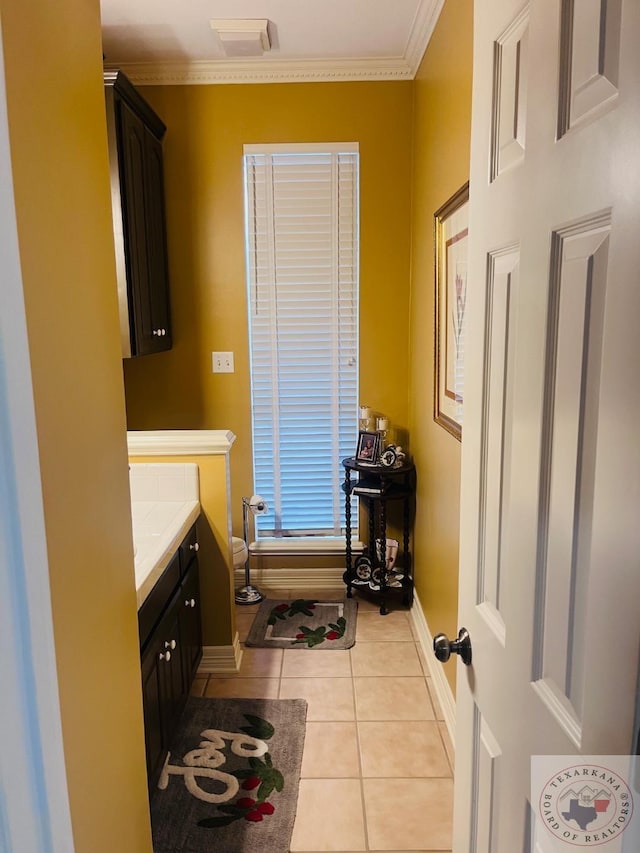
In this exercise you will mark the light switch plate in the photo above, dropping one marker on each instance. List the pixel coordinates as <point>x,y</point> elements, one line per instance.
<point>222,362</point>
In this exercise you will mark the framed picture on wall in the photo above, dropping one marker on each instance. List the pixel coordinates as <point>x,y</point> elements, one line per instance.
<point>451,224</point>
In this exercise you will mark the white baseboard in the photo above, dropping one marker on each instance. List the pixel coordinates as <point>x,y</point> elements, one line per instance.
<point>439,682</point>
<point>221,660</point>
<point>280,580</point>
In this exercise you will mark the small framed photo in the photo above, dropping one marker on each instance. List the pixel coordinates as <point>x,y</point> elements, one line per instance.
<point>367,447</point>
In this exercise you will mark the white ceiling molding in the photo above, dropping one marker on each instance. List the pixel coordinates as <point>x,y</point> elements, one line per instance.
<point>265,71</point>
<point>423,26</point>
<point>268,70</point>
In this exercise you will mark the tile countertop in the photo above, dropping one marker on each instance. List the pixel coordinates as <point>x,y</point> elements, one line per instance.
<point>164,506</point>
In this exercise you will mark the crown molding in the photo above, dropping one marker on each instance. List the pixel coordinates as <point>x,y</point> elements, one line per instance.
<point>270,70</point>
<point>264,71</point>
<point>423,26</point>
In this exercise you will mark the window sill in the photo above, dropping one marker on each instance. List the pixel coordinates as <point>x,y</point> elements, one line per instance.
<point>303,547</point>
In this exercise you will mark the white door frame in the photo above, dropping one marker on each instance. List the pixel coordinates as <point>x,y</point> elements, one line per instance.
<point>34,803</point>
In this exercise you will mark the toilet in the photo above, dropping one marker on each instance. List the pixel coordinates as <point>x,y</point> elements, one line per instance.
<point>240,552</point>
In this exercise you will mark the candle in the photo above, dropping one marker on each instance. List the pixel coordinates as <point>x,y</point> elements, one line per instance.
<point>382,424</point>
<point>365,413</point>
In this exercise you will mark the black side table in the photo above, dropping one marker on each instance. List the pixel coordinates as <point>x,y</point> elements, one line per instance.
<point>376,485</point>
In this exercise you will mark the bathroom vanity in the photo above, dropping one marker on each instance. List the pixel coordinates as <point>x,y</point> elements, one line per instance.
<point>164,510</point>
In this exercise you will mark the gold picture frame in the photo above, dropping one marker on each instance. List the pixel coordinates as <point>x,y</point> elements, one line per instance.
<point>451,233</point>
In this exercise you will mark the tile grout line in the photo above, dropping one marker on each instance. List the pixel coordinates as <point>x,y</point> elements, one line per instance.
<point>435,714</point>
<point>426,681</point>
<point>444,746</point>
<point>365,828</point>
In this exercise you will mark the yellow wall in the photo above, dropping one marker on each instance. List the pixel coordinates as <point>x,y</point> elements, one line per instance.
<point>58,143</point>
<point>207,126</point>
<point>441,166</point>
<point>214,536</point>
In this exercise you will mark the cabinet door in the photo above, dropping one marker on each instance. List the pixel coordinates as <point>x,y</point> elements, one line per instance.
<point>190,626</point>
<point>132,171</point>
<point>142,191</point>
<point>162,688</point>
<point>171,686</point>
<point>156,242</point>
<point>152,705</point>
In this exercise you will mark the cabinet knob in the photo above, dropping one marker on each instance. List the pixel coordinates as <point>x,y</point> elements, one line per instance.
<point>165,656</point>
<point>170,644</point>
<point>190,602</point>
<point>160,332</point>
<point>195,546</point>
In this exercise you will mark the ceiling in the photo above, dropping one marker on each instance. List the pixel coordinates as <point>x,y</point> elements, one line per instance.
<point>164,41</point>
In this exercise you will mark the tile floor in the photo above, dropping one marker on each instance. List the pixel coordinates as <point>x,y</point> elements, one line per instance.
<point>377,763</point>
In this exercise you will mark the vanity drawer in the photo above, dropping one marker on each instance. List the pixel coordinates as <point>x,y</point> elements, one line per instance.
<point>188,549</point>
<point>156,601</point>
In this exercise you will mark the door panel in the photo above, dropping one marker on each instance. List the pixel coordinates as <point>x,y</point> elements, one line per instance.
<point>496,431</point>
<point>511,68</point>
<point>589,59</point>
<point>132,147</point>
<point>549,565</point>
<point>488,782</point>
<point>574,350</point>
<point>158,312</point>
<point>190,626</point>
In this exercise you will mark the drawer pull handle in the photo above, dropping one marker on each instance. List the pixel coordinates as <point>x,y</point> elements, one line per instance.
<point>190,602</point>
<point>170,644</point>
<point>165,656</point>
<point>194,547</point>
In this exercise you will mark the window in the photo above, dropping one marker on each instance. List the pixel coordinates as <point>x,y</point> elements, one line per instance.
<point>301,217</point>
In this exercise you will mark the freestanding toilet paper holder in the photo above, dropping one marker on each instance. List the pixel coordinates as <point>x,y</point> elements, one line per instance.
<point>255,505</point>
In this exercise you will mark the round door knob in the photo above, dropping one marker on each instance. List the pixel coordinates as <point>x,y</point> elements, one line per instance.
<point>170,644</point>
<point>190,602</point>
<point>195,546</point>
<point>165,656</point>
<point>443,647</point>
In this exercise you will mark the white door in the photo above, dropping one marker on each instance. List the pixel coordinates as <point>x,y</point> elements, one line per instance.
<point>550,529</point>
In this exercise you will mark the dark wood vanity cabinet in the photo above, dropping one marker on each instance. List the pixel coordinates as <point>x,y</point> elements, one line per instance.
<point>161,690</point>
<point>170,650</point>
<point>135,135</point>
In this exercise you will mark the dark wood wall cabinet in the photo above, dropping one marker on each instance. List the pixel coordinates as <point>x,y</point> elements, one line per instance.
<point>170,648</point>
<point>135,136</point>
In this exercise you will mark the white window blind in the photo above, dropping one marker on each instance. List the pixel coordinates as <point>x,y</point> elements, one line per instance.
<point>301,215</point>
